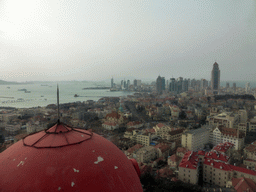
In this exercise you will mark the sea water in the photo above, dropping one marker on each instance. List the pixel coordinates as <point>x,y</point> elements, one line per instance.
<point>43,94</point>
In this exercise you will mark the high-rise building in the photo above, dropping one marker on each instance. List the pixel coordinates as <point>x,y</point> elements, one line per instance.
<point>185,85</point>
<point>179,84</point>
<point>227,85</point>
<point>128,84</point>
<point>234,86</point>
<point>112,82</point>
<point>135,82</point>
<point>163,83</point>
<point>247,87</point>
<point>172,85</point>
<point>215,77</point>
<point>125,85</point>
<point>159,84</point>
<point>138,82</point>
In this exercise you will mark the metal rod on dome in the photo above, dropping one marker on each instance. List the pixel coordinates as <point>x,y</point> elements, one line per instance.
<point>58,104</point>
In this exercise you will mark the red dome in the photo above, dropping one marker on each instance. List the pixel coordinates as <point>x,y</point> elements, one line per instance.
<point>66,159</point>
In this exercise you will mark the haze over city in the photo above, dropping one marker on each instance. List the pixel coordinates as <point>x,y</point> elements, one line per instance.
<point>95,40</point>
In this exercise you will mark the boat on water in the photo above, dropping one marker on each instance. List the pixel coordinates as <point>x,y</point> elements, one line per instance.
<point>76,95</point>
<point>114,89</point>
<point>22,89</point>
<point>42,96</point>
<point>27,91</point>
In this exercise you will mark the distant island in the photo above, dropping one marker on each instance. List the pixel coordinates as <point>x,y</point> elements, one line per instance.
<point>2,82</point>
<point>8,82</point>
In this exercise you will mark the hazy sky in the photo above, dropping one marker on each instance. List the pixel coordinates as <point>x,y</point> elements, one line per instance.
<point>98,39</point>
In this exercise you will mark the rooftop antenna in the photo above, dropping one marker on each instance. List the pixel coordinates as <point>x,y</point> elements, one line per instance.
<point>58,103</point>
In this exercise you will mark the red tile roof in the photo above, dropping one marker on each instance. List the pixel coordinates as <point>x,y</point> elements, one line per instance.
<point>145,169</point>
<point>160,125</point>
<point>135,147</point>
<point>243,184</point>
<point>243,170</point>
<point>164,172</point>
<point>201,152</point>
<point>250,148</point>
<point>181,149</point>
<point>223,147</point>
<point>162,147</point>
<point>174,158</point>
<point>150,130</point>
<point>110,124</point>
<point>190,160</point>
<point>218,165</point>
<point>227,167</point>
<point>133,123</point>
<point>114,115</point>
<point>216,156</point>
<point>231,132</point>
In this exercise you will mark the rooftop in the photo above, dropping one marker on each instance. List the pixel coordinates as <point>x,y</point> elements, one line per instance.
<point>190,160</point>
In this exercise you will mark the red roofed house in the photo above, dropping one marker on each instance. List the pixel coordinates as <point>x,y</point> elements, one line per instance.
<point>201,155</point>
<point>110,125</point>
<point>165,172</point>
<point>163,150</point>
<point>115,117</point>
<point>145,168</point>
<point>242,184</point>
<point>250,155</point>
<point>226,148</point>
<point>231,135</point>
<point>188,168</point>
<point>219,173</point>
<point>214,155</point>
<point>181,151</point>
<point>134,124</point>
<point>131,150</point>
<point>216,173</point>
<point>174,161</point>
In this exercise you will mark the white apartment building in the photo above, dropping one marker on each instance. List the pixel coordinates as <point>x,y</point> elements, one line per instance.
<point>145,154</point>
<point>227,119</point>
<point>234,136</point>
<point>195,139</point>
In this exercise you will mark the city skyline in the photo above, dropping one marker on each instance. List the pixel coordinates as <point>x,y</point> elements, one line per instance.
<point>61,40</point>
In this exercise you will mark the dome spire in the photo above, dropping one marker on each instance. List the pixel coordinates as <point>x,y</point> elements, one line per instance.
<point>58,103</point>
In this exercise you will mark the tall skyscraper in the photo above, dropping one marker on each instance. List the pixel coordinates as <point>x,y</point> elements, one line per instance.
<point>125,84</point>
<point>128,83</point>
<point>215,79</point>
<point>234,87</point>
<point>172,85</point>
<point>112,82</point>
<point>135,82</point>
<point>163,83</point>
<point>247,87</point>
<point>159,84</point>
<point>227,85</point>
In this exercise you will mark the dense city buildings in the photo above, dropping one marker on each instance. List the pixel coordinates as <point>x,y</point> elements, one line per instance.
<point>187,133</point>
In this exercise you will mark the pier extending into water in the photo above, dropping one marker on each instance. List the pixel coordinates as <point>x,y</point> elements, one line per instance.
<point>96,88</point>
<point>7,97</point>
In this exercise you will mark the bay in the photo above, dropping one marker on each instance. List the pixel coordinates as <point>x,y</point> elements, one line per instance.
<point>45,93</point>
